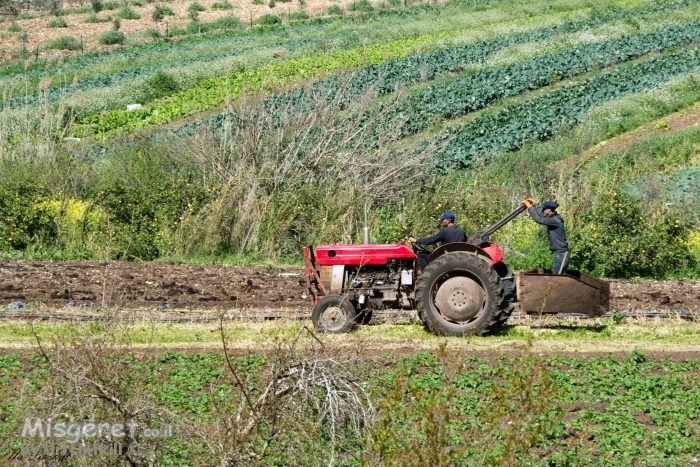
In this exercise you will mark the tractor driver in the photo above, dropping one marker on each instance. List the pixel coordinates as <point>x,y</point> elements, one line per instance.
<point>547,215</point>
<point>448,233</point>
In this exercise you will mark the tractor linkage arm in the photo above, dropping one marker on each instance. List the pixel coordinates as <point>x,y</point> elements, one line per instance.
<point>483,236</point>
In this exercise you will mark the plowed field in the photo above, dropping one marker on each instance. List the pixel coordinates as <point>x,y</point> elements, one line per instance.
<point>83,284</point>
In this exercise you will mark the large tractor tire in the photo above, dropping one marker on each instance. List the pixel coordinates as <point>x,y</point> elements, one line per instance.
<point>509,293</point>
<point>460,294</point>
<point>333,314</point>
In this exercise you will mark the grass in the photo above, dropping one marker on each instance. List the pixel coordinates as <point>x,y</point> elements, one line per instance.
<point>459,404</point>
<point>548,335</point>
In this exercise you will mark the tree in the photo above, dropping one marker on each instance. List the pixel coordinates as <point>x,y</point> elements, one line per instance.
<point>96,5</point>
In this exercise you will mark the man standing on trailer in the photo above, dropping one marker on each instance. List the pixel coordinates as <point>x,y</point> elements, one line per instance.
<point>547,215</point>
<point>448,233</point>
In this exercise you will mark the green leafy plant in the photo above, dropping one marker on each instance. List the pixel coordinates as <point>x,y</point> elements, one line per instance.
<point>14,27</point>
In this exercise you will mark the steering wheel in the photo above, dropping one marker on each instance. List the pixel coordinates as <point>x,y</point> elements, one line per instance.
<point>420,247</point>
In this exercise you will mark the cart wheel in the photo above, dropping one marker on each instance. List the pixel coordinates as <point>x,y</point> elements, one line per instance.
<point>333,314</point>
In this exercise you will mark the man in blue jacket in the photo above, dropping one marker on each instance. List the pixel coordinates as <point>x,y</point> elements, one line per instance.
<point>448,233</point>
<point>547,215</point>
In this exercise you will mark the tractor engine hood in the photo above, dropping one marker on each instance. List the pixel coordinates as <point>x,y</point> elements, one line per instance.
<point>362,255</point>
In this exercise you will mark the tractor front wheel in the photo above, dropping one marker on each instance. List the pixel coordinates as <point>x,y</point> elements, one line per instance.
<point>460,294</point>
<point>333,314</point>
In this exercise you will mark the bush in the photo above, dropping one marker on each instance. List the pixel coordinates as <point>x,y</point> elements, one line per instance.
<point>25,218</point>
<point>268,19</point>
<point>195,6</point>
<point>360,5</point>
<point>137,2</point>
<point>57,23</point>
<point>225,22</point>
<point>616,239</point>
<point>93,19</point>
<point>335,10</point>
<point>299,15</point>
<point>14,27</point>
<point>225,5</point>
<point>258,2</point>
<point>64,43</point>
<point>161,84</point>
<point>96,5</point>
<point>128,13</point>
<point>167,11</point>
<point>112,37</point>
<point>111,5</point>
<point>152,34</point>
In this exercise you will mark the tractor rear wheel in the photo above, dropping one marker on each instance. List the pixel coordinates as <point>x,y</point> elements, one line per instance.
<point>460,294</point>
<point>333,314</point>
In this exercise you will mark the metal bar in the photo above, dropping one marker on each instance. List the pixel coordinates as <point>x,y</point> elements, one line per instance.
<point>483,236</point>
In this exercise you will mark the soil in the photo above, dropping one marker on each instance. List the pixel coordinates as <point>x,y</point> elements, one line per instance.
<point>85,284</point>
<point>79,284</point>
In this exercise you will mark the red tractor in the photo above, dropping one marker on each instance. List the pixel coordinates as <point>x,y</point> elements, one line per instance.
<point>466,288</point>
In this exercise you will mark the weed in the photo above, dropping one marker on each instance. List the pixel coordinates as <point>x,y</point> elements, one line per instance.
<point>225,5</point>
<point>298,15</point>
<point>335,10</point>
<point>268,19</point>
<point>57,23</point>
<point>127,12</point>
<point>64,43</point>
<point>112,37</point>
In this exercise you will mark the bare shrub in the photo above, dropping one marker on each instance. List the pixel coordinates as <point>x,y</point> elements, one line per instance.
<point>296,174</point>
<point>306,395</point>
<point>309,393</point>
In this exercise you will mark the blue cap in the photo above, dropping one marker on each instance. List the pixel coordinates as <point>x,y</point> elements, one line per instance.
<point>447,215</point>
<point>550,205</point>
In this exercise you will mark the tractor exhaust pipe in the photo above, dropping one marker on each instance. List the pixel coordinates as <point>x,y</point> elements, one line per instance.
<point>365,231</point>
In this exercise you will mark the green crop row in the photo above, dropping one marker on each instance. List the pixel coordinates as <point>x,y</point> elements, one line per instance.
<point>458,97</point>
<point>540,117</point>
<point>376,77</point>
<point>454,98</point>
<point>101,71</point>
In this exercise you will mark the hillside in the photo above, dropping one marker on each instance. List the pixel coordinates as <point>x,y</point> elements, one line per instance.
<point>254,140</point>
